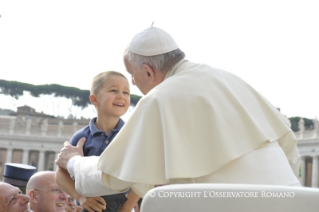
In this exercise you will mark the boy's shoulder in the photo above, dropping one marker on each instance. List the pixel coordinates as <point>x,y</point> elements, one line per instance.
<point>83,132</point>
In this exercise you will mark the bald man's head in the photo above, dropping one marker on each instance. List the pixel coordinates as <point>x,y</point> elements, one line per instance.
<point>40,180</point>
<point>45,194</point>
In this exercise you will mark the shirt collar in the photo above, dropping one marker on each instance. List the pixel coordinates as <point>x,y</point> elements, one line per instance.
<point>94,129</point>
<point>119,125</point>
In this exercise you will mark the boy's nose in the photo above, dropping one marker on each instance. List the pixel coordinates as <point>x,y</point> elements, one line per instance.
<point>120,95</point>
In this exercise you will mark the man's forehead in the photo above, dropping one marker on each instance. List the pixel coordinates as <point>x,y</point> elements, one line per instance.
<point>8,187</point>
<point>127,63</point>
<point>129,67</point>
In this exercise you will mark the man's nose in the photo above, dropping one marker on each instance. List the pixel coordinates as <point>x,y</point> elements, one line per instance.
<point>64,195</point>
<point>24,198</point>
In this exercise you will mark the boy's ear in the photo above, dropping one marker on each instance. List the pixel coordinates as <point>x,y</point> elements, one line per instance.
<point>150,73</point>
<point>93,99</point>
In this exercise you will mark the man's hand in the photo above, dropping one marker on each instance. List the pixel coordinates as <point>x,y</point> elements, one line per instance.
<point>68,151</point>
<point>92,204</point>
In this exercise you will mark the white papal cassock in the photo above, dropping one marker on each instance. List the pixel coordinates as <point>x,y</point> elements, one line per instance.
<point>200,125</point>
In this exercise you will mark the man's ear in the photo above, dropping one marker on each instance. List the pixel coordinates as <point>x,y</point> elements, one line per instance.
<point>33,196</point>
<point>93,99</point>
<point>149,73</point>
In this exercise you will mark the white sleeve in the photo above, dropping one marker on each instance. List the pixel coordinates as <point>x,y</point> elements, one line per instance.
<point>70,166</point>
<point>88,178</point>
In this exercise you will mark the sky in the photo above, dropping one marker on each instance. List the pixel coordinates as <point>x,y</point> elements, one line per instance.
<point>273,45</point>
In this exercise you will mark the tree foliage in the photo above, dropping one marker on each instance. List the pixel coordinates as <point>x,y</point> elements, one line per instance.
<point>135,99</point>
<point>295,122</point>
<point>79,97</point>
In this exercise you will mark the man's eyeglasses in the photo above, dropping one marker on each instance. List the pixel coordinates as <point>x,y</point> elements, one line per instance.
<point>55,190</point>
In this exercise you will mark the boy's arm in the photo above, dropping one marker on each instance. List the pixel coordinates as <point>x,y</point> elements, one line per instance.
<point>64,180</point>
<point>131,201</point>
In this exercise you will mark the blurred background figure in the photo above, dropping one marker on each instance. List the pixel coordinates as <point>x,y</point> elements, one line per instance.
<point>71,206</point>
<point>18,174</point>
<point>12,199</point>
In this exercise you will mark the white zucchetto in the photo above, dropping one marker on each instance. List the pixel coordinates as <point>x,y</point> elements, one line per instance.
<point>152,41</point>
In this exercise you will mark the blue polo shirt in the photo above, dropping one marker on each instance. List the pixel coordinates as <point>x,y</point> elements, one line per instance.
<point>96,140</point>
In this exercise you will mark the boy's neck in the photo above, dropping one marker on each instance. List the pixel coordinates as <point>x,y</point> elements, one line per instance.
<point>106,124</point>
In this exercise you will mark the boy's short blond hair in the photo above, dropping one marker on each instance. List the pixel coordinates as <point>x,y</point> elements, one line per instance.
<point>99,79</point>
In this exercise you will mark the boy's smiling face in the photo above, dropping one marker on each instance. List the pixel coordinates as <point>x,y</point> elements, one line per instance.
<point>113,98</point>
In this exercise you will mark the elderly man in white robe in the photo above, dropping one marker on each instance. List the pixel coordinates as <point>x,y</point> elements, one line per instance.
<point>195,124</point>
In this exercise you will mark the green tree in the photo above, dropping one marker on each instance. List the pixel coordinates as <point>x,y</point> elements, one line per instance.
<point>79,97</point>
<point>295,122</point>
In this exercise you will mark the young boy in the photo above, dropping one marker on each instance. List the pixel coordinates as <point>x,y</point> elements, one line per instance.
<point>110,94</point>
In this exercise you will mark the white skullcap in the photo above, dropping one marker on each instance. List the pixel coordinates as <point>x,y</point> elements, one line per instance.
<point>152,41</point>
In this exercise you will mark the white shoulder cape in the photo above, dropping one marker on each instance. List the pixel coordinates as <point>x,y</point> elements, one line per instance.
<point>196,121</point>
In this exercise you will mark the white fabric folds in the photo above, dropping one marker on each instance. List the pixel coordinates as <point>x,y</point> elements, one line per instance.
<point>191,125</point>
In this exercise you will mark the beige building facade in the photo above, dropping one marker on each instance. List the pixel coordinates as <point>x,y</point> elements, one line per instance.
<point>34,140</point>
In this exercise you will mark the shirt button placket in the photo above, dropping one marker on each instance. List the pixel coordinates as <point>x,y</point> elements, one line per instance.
<point>107,141</point>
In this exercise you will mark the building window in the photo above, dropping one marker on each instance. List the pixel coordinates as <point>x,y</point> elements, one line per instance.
<point>34,158</point>
<point>49,161</point>
<point>17,156</point>
<point>3,155</point>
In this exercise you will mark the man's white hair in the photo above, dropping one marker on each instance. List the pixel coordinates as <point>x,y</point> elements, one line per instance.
<point>162,62</point>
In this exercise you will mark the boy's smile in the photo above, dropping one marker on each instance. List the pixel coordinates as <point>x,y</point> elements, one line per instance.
<point>114,97</point>
<point>119,105</point>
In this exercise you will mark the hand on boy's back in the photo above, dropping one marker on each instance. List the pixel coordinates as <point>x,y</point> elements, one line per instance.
<point>68,151</point>
<point>92,204</point>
